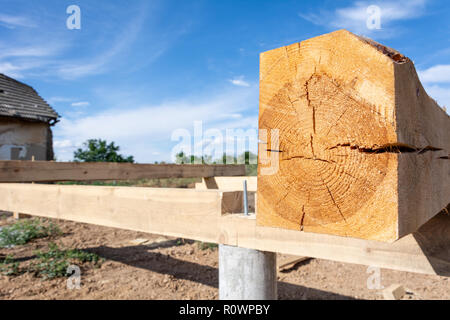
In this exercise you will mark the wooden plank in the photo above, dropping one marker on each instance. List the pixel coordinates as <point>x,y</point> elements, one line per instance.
<point>156,210</point>
<point>198,215</point>
<point>237,183</point>
<point>227,183</point>
<point>424,181</point>
<point>44,171</point>
<point>17,216</point>
<point>362,150</point>
<point>231,184</point>
<point>288,262</point>
<point>425,251</point>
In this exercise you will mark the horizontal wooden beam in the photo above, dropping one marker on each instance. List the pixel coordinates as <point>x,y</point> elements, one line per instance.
<point>228,183</point>
<point>46,171</point>
<point>202,215</point>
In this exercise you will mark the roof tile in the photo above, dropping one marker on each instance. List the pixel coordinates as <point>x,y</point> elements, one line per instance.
<point>22,101</point>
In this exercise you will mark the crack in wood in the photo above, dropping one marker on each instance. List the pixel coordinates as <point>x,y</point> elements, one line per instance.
<point>332,198</point>
<point>309,101</point>
<point>302,219</point>
<point>337,121</point>
<point>308,158</point>
<point>292,104</point>
<point>388,148</point>
<point>312,146</point>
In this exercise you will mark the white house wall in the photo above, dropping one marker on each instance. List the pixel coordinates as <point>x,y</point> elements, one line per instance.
<point>21,140</point>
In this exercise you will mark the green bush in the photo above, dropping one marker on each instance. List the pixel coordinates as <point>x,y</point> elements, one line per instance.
<point>98,150</point>
<point>207,245</point>
<point>54,262</point>
<point>26,230</point>
<point>9,267</point>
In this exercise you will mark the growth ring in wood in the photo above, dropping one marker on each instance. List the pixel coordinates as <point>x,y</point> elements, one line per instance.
<point>350,143</point>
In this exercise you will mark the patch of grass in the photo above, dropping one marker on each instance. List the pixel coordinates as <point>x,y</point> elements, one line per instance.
<point>180,242</point>
<point>54,262</point>
<point>24,231</point>
<point>207,245</point>
<point>9,267</point>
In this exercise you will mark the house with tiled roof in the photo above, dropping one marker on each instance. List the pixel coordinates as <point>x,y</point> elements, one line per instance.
<point>25,122</point>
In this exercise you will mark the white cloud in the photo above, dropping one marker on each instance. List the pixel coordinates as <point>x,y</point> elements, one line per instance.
<point>436,80</point>
<point>80,104</point>
<point>96,65</point>
<point>231,115</point>
<point>11,70</point>
<point>8,51</point>
<point>11,22</point>
<point>54,100</point>
<point>239,81</point>
<point>436,74</point>
<point>25,54</point>
<point>13,55</point>
<point>147,129</point>
<point>17,60</point>
<point>441,94</point>
<point>354,17</point>
<point>123,42</point>
<point>63,143</point>
<point>16,70</point>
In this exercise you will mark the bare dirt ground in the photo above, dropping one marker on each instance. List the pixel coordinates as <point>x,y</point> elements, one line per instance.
<point>167,268</point>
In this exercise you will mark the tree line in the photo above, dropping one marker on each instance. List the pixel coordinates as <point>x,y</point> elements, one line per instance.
<point>98,150</point>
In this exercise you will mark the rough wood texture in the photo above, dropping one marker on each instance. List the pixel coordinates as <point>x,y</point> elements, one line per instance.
<point>42,171</point>
<point>197,215</point>
<point>131,208</point>
<point>363,151</point>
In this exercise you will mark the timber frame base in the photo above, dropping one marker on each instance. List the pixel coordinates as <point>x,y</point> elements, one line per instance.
<point>350,142</point>
<point>213,216</point>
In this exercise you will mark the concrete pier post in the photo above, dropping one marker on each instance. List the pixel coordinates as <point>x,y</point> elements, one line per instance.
<point>247,274</point>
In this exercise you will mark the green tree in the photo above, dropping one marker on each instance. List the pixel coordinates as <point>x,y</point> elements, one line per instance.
<point>98,150</point>
<point>251,162</point>
<point>182,158</point>
<point>248,158</point>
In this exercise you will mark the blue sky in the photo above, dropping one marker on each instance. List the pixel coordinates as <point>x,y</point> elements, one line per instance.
<point>139,72</point>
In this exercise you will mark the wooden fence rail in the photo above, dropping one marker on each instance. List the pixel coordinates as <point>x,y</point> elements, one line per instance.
<point>44,171</point>
<point>205,216</point>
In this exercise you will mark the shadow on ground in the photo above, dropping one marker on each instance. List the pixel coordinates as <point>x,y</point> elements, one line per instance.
<point>142,257</point>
